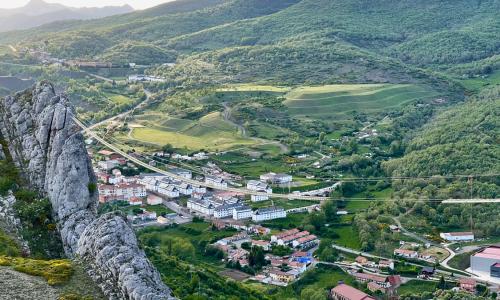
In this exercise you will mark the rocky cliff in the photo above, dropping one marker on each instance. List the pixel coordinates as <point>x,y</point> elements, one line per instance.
<point>48,148</point>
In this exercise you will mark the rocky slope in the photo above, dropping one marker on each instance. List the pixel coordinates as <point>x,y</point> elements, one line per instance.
<point>48,147</point>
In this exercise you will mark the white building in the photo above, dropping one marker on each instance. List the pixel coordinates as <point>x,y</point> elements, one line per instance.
<point>275,178</point>
<point>268,213</point>
<point>486,263</point>
<point>306,242</point>
<point>216,181</point>
<point>457,236</point>
<point>168,190</point>
<point>107,165</point>
<point>259,186</point>
<point>122,191</point>
<point>242,212</point>
<point>185,188</point>
<point>225,210</point>
<point>201,206</point>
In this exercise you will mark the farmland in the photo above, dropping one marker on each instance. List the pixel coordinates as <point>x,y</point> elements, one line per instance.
<point>210,132</point>
<point>340,100</point>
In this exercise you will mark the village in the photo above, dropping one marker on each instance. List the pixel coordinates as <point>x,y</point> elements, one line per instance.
<point>258,253</point>
<point>153,189</point>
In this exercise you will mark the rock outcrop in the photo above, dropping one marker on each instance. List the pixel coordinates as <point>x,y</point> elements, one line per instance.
<point>48,147</point>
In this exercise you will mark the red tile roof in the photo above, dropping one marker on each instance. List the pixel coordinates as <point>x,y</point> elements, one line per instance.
<point>350,293</point>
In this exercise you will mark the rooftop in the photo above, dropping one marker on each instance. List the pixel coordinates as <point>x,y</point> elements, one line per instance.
<point>492,252</point>
<point>350,293</point>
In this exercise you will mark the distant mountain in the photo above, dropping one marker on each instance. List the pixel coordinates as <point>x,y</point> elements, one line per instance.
<point>39,12</point>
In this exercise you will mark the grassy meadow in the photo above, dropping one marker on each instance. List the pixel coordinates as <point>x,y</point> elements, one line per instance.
<point>340,100</point>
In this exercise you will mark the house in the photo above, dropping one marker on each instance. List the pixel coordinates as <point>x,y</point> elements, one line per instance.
<point>374,287</point>
<point>467,284</point>
<point>389,264</point>
<point>495,270</point>
<point>276,178</point>
<point>216,182</point>
<point>268,213</point>
<point>457,236</point>
<point>394,228</point>
<point>306,242</point>
<point>265,245</point>
<point>406,253</point>
<point>299,266</point>
<point>201,206</point>
<point>288,240</point>
<point>346,292</point>
<point>107,165</point>
<point>135,201</point>
<point>154,200</point>
<point>365,277</point>
<point>361,260</point>
<point>113,180</point>
<point>168,190</point>
<point>276,237</point>
<point>261,187</point>
<point>242,212</point>
<point>185,188</point>
<point>123,191</point>
<point>260,230</point>
<point>278,275</point>
<point>225,210</point>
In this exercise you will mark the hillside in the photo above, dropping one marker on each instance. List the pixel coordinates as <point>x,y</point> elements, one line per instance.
<point>284,41</point>
<point>451,143</point>
<point>38,12</point>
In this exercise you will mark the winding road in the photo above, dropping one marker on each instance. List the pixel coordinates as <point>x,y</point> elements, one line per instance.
<point>227,115</point>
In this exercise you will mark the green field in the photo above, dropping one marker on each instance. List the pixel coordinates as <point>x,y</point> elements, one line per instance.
<point>476,84</point>
<point>417,287</point>
<point>348,237</point>
<point>210,132</point>
<point>120,99</point>
<point>339,100</point>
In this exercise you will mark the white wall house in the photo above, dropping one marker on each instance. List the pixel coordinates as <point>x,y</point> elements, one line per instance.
<point>268,213</point>
<point>259,186</point>
<point>201,206</point>
<point>185,188</point>
<point>276,178</point>
<point>216,181</point>
<point>168,190</point>
<point>457,236</point>
<point>242,212</point>
<point>224,211</point>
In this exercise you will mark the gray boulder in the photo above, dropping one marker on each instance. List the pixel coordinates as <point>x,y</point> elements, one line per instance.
<point>47,145</point>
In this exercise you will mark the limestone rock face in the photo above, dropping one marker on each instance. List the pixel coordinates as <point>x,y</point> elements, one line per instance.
<point>48,147</point>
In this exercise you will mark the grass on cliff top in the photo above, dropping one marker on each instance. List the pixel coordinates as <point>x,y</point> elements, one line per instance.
<point>57,271</point>
<point>8,246</point>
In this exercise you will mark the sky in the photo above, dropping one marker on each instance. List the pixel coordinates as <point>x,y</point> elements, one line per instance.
<point>137,4</point>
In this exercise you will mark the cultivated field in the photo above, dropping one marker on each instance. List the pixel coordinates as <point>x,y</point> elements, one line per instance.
<point>338,100</point>
<point>210,132</point>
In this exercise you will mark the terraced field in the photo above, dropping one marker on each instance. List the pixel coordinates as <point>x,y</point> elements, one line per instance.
<point>339,100</point>
<point>210,132</point>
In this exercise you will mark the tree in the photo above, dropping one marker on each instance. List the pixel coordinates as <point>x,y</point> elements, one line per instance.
<point>330,210</point>
<point>256,258</point>
<point>317,219</point>
<point>168,148</point>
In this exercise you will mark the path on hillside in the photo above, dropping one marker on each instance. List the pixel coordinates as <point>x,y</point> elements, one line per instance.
<point>227,115</point>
